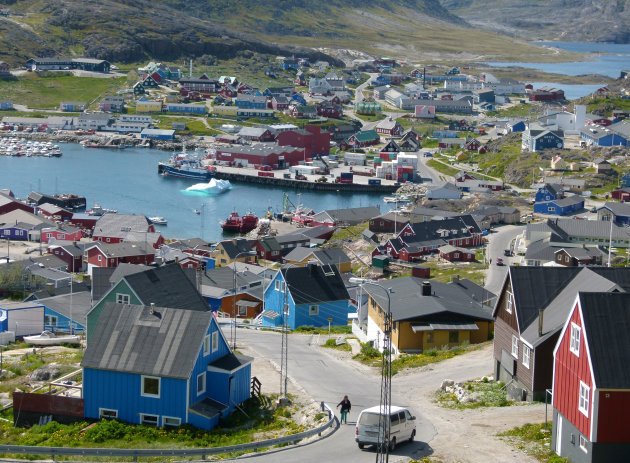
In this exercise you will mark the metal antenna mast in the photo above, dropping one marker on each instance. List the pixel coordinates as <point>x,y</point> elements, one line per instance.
<point>284,352</point>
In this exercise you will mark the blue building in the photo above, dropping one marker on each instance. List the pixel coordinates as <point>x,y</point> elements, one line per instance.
<point>251,101</point>
<point>516,126</point>
<point>536,138</point>
<point>616,134</point>
<point>60,309</point>
<point>15,231</point>
<point>72,106</point>
<point>141,368</point>
<point>298,98</point>
<point>314,294</point>
<point>186,108</point>
<point>560,206</point>
<point>290,63</point>
<point>548,192</point>
<point>620,213</point>
<point>6,105</point>
<point>158,134</point>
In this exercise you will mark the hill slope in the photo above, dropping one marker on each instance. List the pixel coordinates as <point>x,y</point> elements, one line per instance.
<point>575,20</point>
<point>134,30</point>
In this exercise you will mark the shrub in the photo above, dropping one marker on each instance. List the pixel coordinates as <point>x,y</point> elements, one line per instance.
<point>369,351</point>
<point>331,343</point>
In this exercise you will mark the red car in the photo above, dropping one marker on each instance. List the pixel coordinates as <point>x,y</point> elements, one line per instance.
<point>500,261</point>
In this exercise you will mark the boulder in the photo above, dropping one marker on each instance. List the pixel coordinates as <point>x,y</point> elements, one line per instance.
<point>45,373</point>
<point>447,383</point>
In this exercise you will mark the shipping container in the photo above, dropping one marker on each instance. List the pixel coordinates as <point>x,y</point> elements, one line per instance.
<point>374,181</point>
<point>347,175</point>
<point>23,318</point>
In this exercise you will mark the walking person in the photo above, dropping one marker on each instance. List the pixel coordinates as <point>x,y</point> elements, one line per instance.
<point>345,409</point>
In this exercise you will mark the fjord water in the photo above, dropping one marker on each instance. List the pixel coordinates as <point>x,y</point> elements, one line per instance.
<point>127,180</point>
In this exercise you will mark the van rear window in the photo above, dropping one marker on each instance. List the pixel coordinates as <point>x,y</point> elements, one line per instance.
<point>369,419</point>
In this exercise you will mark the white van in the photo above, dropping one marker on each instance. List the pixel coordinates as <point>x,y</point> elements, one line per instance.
<point>402,427</point>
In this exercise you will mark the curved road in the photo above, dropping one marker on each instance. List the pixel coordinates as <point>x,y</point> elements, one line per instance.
<point>498,242</point>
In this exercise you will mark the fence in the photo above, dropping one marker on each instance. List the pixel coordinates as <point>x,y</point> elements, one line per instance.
<point>136,453</point>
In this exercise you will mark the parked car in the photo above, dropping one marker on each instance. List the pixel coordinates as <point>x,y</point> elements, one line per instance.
<point>500,261</point>
<point>507,252</point>
<point>593,209</point>
<point>402,427</point>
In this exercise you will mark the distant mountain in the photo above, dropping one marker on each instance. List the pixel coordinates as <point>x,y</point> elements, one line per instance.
<point>136,30</point>
<point>567,20</point>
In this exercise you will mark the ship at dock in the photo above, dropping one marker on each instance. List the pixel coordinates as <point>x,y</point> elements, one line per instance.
<point>184,165</point>
<point>240,224</point>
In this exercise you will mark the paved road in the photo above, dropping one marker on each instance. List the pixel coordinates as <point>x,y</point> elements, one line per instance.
<point>498,242</point>
<point>325,377</point>
<point>427,173</point>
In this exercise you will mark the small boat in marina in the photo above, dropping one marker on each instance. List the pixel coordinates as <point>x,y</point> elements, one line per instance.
<point>197,211</point>
<point>158,220</point>
<point>97,210</point>
<point>49,339</point>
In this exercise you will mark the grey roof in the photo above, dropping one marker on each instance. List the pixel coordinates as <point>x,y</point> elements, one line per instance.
<point>101,281</point>
<point>47,292</point>
<point>129,338</point>
<point>167,286</point>
<point>446,303</point>
<point>125,249</point>
<point>315,283</point>
<point>474,290</point>
<point>125,269</point>
<point>76,249</point>
<point>582,252</point>
<point>350,215</point>
<point>565,228</point>
<point>223,277</point>
<point>252,131</point>
<point>618,209</point>
<point>231,361</point>
<point>431,212</point>
<point>541,250</point>
<point>568,201</point>
<point>606,321</point>
<point>118,225</point>
<point>50,274</point>
<point>75,305</point>
<point>332,256</point>
<point>237,246</point>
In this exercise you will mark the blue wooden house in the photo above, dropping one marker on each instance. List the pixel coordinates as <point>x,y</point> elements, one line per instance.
<point>560,206</point>
<point>549,192</point>
<point>314,294</point>
<point>141,368</point>
<point>625,180</point>
<point>6,105</point>
<point>290,63</point>
<point>248,101</point>
<point>516,126</point>
<point>61,309</point>
<point>298,98</point>
<point>15,231</point>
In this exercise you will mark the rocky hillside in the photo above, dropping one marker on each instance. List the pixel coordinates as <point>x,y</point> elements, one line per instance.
<point>575,20</point>
<point>135,30</point>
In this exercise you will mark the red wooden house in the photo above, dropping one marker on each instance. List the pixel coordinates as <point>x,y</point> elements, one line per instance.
<point>84,220</point>
<point>70,253</point>
<point>622,194</point>
<point>111,255</point>
<point>472,144</point>
<point>113,228</point>
<point>61,233</point>
<point>9,204</point>
<point>268,248</point>
<point>591,381</point>
<point>54,212</point>
<point>455,254</point>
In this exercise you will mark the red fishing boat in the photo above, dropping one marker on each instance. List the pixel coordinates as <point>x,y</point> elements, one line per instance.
<point>240,224</point>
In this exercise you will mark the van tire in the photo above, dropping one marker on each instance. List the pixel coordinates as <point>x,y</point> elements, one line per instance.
<point>392,445</point>
<point>413,435</point>
<point>361,445</point>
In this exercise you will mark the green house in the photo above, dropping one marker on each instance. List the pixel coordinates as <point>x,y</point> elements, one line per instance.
<point>167,286</point>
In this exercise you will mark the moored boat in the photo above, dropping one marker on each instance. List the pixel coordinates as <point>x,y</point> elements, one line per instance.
<point>240,224</point>
<point>49,339</point>
<point>158,220</point>
<point>184,165</point>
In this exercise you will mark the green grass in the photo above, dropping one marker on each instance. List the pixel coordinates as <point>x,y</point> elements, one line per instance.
<point>236,429</point>
<point>487,393</point>
<point>442,168</point>
<point>371,118</point>
<point>46,91</point>
<point>519,110</point>
<point>605,106</point>
<point>334,329</point>
<point>348,232</point>
<point>332,344</point>
<point>534,440</point>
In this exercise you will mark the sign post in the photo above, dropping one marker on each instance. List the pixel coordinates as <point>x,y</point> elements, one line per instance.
<point>329,321</point>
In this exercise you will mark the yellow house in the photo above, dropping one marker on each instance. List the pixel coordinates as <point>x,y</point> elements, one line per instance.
<point>429,315</point>
<point>235,250</point>
<point>148,106</point>
<point>171,98</point>
<point>223,110</point>
<point>301,255</point>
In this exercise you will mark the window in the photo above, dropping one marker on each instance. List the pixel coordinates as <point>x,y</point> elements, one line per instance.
<point>430,338</point>
<point>515,347</point>
<point>526,355</point>
<point>100,258</point>
<point>206,345</point>
<point>313,310</point>
<point>49,235</point>
<point>151,420</point>
<point>122,298</point>
<point>559,257</point>
<point>585,395</point>
<point>456,255</point>
<point>508,303</point>
<point>150,386</point>
<point>201,383</point>
<point>50,320</point>
<point>566,259</point>
<point>453,336</point>
<point>242,311</point>
<point>105,413</point>
<point>171,421</point>
<point>215,341</point>
<point>574,346</point>
<point>583,444</point>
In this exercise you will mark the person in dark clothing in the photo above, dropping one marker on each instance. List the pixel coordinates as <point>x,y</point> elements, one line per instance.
<point>345,409</point>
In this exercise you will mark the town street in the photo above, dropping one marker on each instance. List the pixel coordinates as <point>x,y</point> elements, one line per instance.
<point>498,242</point>
<point>327,375</point>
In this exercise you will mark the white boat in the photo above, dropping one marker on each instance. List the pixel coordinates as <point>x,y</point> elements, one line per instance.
<point>158,220</point>
<point>49,339</point>
<point>196,211</point>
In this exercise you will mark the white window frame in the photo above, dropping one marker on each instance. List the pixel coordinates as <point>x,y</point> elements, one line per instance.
<point>215,341</point>
<point>100,258</point>
<point>147,394</point>
<point>242,311</point>
<point>143,416</point>
<point>122,298</point>
<point>514,347</point>
<point>527,353</point>
<point>574,342</point>
<point>102,411</point>
<point>172,425</point>
<point>206,345</point>
<point>583,444</point>
<point>584,398</point>
<point>508,305</point>
<point>313,310</point>
<point>48,320</point>
<point>203,389</point>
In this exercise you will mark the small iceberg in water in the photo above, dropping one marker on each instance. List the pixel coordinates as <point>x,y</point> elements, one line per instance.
<point>213,187</point>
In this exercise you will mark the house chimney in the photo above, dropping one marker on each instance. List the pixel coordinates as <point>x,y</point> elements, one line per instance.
<point>152,311</point>
<point>540,322</point>
<point>456,278</point>
<point>50,287</point>
<point>426,288</point>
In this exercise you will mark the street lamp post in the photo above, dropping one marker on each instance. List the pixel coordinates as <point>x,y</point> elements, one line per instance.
<point>233,324</point>
<point>382,449</point>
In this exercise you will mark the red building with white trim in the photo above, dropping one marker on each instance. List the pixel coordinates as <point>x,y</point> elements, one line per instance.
<point>113,254</point>
<point>62,232</point>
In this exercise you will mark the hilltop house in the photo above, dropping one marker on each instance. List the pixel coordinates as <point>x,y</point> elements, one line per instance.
<point>157,376</point>
<point>313,295</point>
<point>301,256</point>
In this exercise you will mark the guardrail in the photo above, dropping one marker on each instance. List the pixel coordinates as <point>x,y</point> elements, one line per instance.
<point>136,453</point>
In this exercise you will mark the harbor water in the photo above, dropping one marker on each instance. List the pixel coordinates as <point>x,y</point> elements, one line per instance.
<point>127,180</point>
